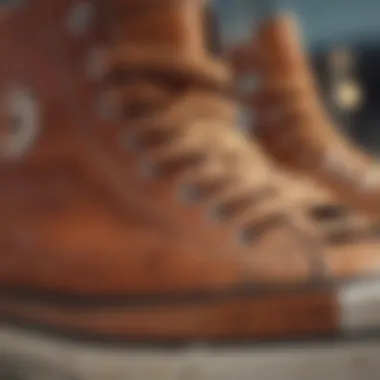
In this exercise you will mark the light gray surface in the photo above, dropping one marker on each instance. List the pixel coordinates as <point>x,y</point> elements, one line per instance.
<point>360,305</point>
<point>27,357</point>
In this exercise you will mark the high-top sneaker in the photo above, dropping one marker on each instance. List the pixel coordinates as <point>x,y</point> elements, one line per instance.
<point>276,96</point>
<point>292,122</point>
<point>131,208</point>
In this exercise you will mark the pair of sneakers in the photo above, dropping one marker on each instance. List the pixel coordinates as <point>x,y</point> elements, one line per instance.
<point>132,208</point>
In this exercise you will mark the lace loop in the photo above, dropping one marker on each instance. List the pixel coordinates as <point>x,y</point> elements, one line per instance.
<point>184,134</point>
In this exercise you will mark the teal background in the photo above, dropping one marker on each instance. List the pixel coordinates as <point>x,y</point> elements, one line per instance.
<point>323,21</point>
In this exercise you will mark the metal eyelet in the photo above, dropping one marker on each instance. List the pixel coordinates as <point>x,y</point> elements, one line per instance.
<point>80,18</point>
<point>189,193</point>
<point>147,170</point>
<point>216,214</point>
<point>244,236</point>
<point>247,121</point>
<point>22,123</point>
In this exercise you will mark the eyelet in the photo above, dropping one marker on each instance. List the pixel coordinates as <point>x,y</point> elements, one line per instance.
<point>244,236</point>
<point>189,193</point>
<point>23,126</point>
<point>217,215</point>
<point>80,18</point>
<point>147,170</point>
<point>247,121</point>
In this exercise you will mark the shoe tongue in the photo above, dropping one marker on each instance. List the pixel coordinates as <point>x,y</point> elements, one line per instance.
<point>180,25</point>
<point>174,35</point>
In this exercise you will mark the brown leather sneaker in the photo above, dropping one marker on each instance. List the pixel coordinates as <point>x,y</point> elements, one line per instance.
<point>292,123</point>
<point>283,104</point>
<point>124,185</point>
<point>130,205</point>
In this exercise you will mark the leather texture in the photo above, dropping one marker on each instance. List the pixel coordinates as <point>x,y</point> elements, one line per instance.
<point>104,129</point>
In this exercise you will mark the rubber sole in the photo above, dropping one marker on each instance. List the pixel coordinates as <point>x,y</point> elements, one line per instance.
<point>285,314</point>
<point>26,355</point>
<point>30,357</point>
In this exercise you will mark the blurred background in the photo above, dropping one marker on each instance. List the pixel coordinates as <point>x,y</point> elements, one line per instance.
<point>343,40</point>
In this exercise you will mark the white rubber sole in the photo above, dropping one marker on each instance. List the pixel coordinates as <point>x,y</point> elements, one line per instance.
<point>30,356</point>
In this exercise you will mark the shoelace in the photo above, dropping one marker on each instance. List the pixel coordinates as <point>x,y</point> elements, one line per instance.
<point>340,226</point>
<point>184,130</point>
